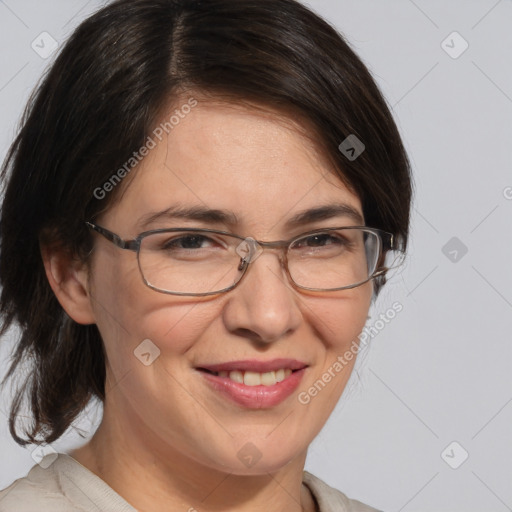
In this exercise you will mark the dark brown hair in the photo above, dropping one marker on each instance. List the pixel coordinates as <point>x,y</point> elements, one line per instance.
<point>97,105</point>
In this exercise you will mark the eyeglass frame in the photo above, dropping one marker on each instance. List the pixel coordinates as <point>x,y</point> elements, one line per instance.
<point>135,244</point>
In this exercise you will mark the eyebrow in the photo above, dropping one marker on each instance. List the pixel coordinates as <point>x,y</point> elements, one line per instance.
<point>324,213</point>
<point>199,213</point>
<point>215,216</point>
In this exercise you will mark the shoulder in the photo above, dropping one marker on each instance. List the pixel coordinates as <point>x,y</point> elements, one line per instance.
<point>330,499</point>
<point>39,491</point>
<point>60,484</point>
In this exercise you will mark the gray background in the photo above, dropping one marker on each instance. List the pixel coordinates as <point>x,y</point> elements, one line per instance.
<point>440,371</point>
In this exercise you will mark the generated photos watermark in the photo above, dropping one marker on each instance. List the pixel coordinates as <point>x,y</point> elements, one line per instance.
<point>368,333</point>
<point>151,142</point>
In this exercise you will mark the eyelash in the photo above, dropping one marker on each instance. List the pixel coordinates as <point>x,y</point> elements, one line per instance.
<point>172,243</point>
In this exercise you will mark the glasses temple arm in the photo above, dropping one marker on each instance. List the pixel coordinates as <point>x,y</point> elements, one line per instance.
<point>131,245</point>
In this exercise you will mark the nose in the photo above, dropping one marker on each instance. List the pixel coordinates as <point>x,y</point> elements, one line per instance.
<point>264,306</point>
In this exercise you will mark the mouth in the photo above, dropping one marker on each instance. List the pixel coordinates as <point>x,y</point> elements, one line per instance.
<point>249,378</point>
<point>254,384</point>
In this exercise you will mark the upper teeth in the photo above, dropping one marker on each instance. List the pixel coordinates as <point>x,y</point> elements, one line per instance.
<point>257,379</point>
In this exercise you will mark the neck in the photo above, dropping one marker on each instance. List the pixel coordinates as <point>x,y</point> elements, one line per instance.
<point>152,475</point>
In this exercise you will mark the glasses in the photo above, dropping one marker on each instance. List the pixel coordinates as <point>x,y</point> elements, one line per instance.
<point>198,262</point>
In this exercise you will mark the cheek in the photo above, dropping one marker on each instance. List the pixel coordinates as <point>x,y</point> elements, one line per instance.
<point>176,324</point>
<point>128,312</point>
<point>340,319</point>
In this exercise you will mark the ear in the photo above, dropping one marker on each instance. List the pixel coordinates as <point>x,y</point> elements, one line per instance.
<point>67,276</point>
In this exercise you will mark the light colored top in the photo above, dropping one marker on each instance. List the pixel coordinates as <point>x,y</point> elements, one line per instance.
<point>64,485</point>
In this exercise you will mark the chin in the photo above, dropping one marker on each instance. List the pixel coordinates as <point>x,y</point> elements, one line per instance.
<point>258,458</point>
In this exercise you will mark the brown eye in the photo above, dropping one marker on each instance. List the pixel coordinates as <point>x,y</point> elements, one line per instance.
<point>187,242</point>
<point>318,240</point>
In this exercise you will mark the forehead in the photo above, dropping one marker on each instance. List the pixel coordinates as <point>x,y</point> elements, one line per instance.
<point>259,165</point>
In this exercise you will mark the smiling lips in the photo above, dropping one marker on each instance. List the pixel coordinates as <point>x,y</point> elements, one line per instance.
<point>257,379</point>
<point>255,384</point>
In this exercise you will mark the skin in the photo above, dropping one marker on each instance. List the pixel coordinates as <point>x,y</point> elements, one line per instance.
<point>167,441</point>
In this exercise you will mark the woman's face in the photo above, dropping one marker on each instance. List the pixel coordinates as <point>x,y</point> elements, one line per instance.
<point>261,172</point>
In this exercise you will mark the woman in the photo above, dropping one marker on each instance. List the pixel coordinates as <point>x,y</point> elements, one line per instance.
<point>200,207</point>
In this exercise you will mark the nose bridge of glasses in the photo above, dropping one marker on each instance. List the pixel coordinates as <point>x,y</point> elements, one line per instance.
<point>250,249</point>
